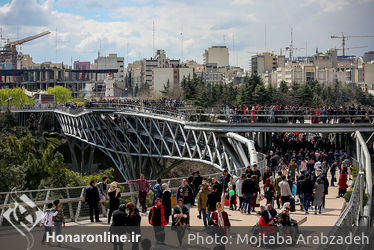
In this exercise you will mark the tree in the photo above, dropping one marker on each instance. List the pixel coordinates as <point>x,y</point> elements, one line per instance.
<point>62,95</point>
<point>15,96</point>
<point>166,91</point>
<point>260,95</point>
<point>283,87</point>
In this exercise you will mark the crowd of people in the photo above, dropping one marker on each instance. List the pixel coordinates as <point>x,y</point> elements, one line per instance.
<point>293,114</point>
<point>296,173</point>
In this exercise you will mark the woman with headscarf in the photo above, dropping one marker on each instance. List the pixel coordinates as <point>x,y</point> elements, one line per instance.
<point>134,220</point>
<point>342,184</point>
<point>318,193</point>
<point>118,226</point>
<point>114,194</point>
<point>166,201</point>
<point>254,198</point>
<point>284,170</point>
<point>269,191</point>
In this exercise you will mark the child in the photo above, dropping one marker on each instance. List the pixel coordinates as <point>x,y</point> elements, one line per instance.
<point>47,222</point>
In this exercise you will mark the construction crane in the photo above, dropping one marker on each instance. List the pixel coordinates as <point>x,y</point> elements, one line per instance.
<point>11,47</point>
<point>358,47</point>
<point>344,37</point>
<point>291,49</point>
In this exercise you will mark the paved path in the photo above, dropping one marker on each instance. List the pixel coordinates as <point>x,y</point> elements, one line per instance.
<point>328,217</point>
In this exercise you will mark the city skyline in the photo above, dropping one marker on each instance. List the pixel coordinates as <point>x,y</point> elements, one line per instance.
<point>126,27</point>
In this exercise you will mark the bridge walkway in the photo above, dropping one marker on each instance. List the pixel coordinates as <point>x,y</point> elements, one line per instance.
<point>329,216</point>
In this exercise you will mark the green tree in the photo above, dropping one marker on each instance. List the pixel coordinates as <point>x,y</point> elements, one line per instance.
<point>15,96</point>
<point>283,87</point>
<point>260,95</point>
<point>62,95</point>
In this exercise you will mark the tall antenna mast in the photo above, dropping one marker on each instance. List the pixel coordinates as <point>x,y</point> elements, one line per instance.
<point>182,43</point>
<point>56,47</point>
<point>291,46</point>
<point>153,42</point>
<point>233,48</point>
<point>265,39</point>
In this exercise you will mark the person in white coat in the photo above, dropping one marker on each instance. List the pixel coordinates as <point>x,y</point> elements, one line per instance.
<point>238,191</point>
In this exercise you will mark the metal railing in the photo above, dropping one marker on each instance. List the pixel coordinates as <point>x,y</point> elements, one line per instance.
<point>201,115</point>
<point>73,201</point>
<point>355,216</point>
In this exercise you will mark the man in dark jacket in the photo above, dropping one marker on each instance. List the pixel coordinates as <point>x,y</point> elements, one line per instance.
<point>256,172</point>
<point>333,168</point>
<point>213,198</point>
<point>93,199</point>
<point>185,193</point>
<point>267,174</point>
<point>307,190</point>
<point>197,180</point>
<point>249,189</point>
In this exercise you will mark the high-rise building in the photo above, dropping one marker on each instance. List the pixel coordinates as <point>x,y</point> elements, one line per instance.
<point>161,76</point>
<point>267,62</point>
<point>112,61</point>
<point>159,61</point>
<point>369,56</point>
<point>81,65</point>
<point>218,55</point>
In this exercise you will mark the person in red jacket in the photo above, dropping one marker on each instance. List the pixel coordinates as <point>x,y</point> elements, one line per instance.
<point>342,184</point>
<point>266,225</point>
<point>220,223</point>
<point>219,217</point>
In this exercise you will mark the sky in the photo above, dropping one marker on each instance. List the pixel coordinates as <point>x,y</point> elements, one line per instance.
<point>125,27</point>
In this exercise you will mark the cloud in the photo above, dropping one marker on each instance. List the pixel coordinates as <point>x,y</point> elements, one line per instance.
<point>82,28</point>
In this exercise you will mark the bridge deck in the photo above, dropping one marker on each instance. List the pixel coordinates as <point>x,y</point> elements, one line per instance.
<point>328,217</point>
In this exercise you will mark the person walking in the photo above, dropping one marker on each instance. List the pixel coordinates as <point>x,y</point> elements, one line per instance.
<point>221,224</point>
<point>292,168</point>
<point>143,188</point>
<point>277,180</point>
<point>232,197</point>
<point>248,191</point>
<point>181,220</point>
<point>267,175</point>
<point>238,190</point>
<point>224,180</point>
<point>213,198</point>
<point>102,186</point>
<point>114,193</point>
<point>202,200</point>
<point>157,191</point>
<point>342,184</point>
<point>92,198</point>
<point>256,172</point>
<point>333,168</point>
<point>307,187</point>
<point>185,192</point>
<point>285,190</point>
<point>134,220</point>
<point>119,223</point>
<point>156,218</point>
<point>318,193</point>
<point>269,192</point>
<point>166,201</point>
<point>47,222</point>
<point>58,219</point>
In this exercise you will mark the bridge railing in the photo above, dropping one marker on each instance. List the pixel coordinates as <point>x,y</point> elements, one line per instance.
<point>201,115</point>
<point>355,216</point>
<point>72,198</point>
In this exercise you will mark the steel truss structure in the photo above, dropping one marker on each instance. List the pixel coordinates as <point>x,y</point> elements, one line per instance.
<point>130,139</point>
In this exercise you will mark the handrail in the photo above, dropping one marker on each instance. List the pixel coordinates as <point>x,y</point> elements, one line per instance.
<point>354,211</point>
